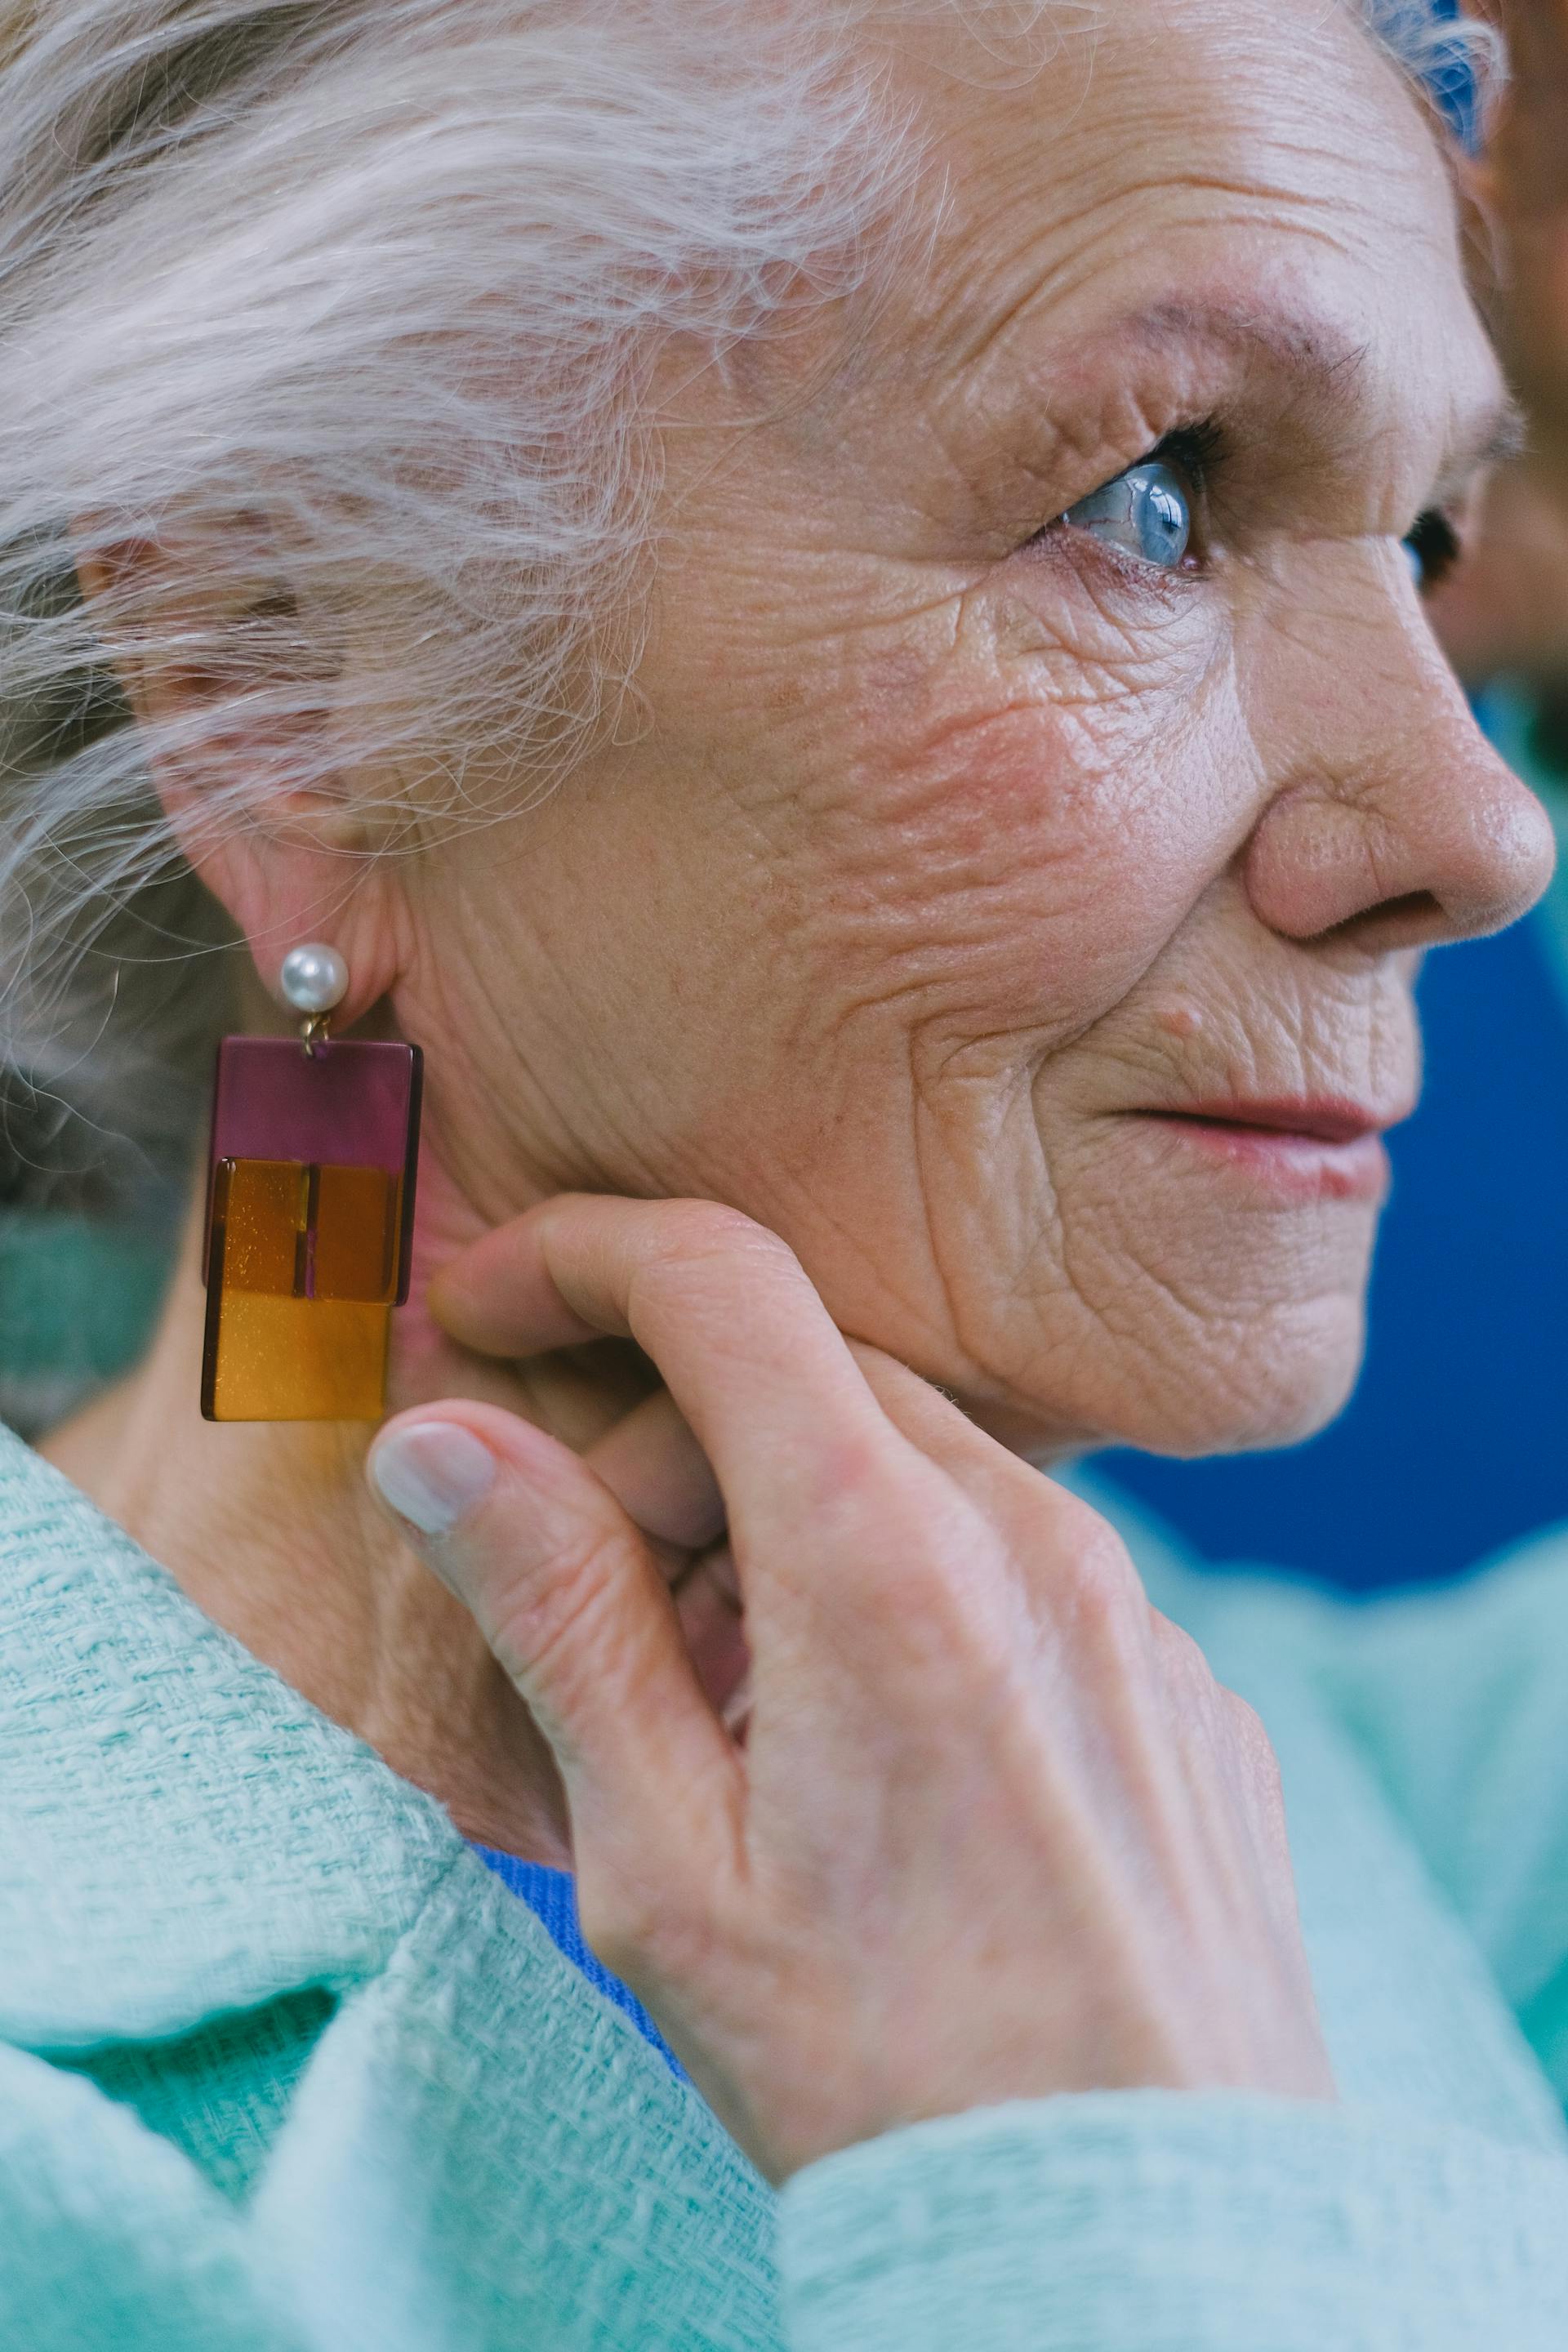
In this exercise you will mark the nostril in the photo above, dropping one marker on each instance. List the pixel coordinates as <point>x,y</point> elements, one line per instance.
<point>1412,921</point>
<point>1429,847</point>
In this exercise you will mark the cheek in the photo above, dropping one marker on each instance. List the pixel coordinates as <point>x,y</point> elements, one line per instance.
<point>1011,847</point>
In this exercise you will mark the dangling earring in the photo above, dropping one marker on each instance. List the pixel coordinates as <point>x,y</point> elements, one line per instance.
<point>309,1212</point>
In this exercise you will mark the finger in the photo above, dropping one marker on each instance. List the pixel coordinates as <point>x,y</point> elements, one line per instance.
<point>755,1364</point>
<point>1011,1488</point>
<point>926,1415</point>
<point>653,1466</point>
<point>565,1590</point>
<point>714,1633</point>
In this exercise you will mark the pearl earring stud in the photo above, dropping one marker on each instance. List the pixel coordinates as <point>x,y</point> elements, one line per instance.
<point>314,979</point>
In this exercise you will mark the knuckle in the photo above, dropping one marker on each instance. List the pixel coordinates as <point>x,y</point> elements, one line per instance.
<point>1251,1736</point>
<point>1073,1545</point>
<point>1201,1699</point>
<point>1099,1583</point>
<point>1182,1659</point>
<point>700,1249</point>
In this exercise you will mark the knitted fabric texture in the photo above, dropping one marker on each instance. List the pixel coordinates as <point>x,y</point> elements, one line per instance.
<point>551,1896</point>
<point>285,2068</point>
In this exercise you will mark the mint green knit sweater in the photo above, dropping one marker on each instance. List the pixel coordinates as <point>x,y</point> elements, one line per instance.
<point>284,2069</point>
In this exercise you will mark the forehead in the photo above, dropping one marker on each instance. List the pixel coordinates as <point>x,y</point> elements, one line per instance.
<point>1160,158</point>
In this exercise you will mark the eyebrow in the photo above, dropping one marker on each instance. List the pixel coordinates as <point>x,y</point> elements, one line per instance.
<point>1298,346</point>
<point>1506,436</point>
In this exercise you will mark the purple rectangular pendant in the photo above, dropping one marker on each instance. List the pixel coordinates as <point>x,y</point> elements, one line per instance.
<point>346,1105</point>
<point>310,1226</point>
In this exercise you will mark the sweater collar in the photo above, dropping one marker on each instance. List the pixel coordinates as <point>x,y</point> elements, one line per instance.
<point>181,1832</point>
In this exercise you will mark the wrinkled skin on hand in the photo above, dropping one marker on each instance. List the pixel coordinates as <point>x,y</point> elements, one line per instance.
<point>996,1831</point>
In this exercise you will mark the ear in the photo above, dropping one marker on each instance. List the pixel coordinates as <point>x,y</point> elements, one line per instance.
<point>242,699</point>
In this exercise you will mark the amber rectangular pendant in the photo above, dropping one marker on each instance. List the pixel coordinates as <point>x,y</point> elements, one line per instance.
<point>310,1226</point>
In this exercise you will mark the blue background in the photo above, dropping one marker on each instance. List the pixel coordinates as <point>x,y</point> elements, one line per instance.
<point>1454,1443</point>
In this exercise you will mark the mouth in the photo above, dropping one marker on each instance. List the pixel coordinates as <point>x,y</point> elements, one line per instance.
<point>1317,1147</point>
<point>1317,1119</point>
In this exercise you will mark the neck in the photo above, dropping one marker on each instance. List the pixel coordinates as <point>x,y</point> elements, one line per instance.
<point>271,1532</point>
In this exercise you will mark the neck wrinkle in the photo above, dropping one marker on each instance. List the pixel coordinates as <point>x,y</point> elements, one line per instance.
<point>271,1531</point>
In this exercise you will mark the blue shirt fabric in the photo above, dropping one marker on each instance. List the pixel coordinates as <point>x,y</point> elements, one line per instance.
<point>551,1896</point>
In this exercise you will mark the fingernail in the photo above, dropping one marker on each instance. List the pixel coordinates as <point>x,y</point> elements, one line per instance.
<point>432,1474</point>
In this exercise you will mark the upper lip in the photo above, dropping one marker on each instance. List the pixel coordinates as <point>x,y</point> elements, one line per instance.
<point>1331,1119</point>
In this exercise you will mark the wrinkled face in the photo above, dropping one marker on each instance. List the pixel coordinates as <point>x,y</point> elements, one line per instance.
<point>1012,894</point>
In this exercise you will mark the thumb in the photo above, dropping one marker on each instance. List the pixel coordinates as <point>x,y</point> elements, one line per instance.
<point>570,1599</point>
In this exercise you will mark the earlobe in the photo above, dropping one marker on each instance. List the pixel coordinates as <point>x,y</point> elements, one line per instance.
<point>283,894</point>
<point>236,696</point>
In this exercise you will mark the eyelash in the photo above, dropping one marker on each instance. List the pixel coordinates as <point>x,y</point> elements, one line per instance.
<point>1193,450</point>
<point>1197,449</point>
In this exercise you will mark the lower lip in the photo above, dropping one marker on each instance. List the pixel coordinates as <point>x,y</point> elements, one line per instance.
<point>1302,1167</point>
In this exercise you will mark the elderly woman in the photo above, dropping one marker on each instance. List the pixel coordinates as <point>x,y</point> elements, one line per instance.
<point>821,604</point>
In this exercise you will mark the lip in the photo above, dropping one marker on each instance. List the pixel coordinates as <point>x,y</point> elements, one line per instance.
<point>1300,1147</point>
<point>1322,1118</point>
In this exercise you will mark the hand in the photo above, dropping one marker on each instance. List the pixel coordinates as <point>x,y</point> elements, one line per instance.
<point>994,1831</point>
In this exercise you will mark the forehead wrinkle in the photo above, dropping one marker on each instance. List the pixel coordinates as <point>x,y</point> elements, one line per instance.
<point>1038,214</point>
<point>1097,231</point>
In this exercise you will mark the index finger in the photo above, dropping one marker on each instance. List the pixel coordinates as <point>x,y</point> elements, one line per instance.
<point>744,1344</point>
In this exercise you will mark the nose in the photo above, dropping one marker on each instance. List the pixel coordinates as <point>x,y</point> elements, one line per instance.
<point>1407,831</point>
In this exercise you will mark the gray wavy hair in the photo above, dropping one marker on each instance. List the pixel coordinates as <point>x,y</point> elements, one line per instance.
<point>384,274</point>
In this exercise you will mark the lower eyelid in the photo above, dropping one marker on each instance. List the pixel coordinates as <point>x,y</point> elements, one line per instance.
<point>1061,540</point>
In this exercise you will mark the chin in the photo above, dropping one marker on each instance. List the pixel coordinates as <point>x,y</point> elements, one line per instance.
<point>1280,1381</point>
<point>1262,1399</point>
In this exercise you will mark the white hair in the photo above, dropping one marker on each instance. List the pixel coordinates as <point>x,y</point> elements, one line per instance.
<point>363,290</point>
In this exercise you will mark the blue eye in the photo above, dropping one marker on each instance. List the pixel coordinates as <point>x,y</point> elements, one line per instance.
<point>1145,512</point>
